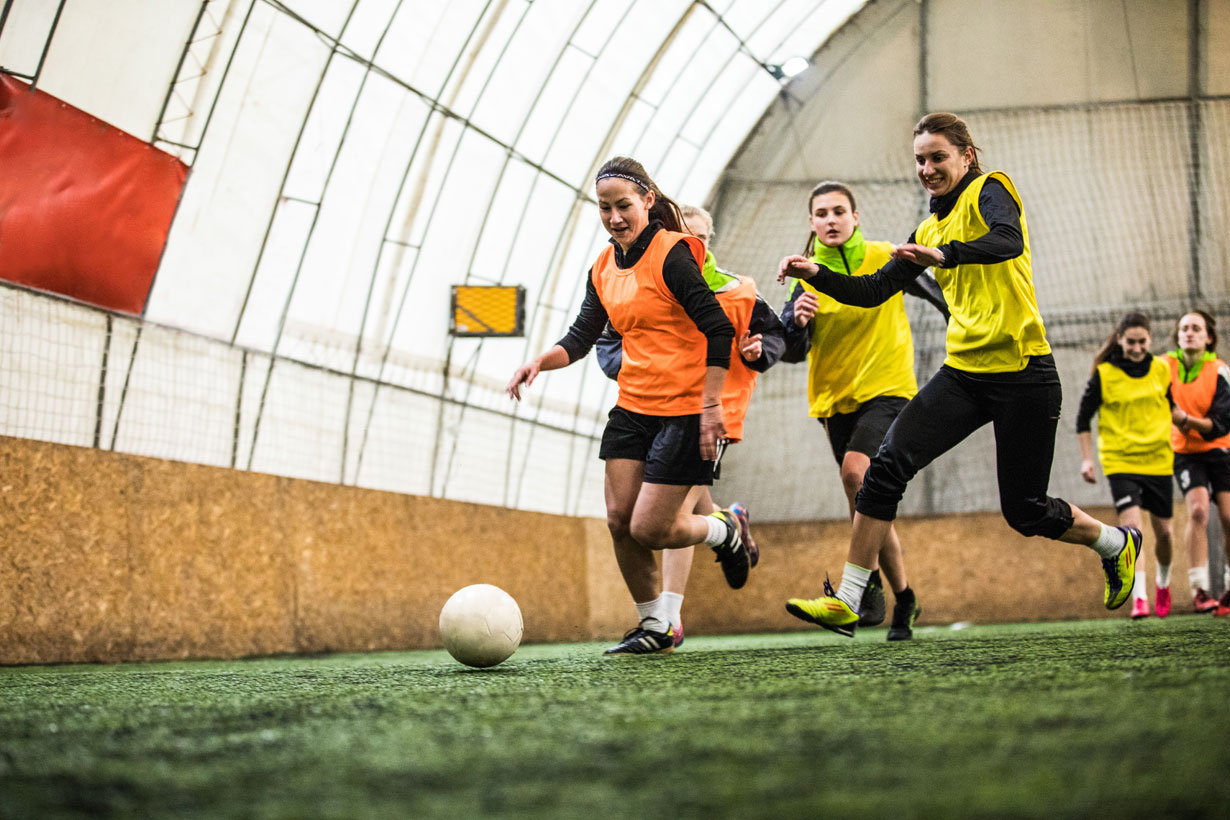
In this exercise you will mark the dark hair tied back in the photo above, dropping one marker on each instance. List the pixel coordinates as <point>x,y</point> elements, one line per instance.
<point>826,187</point>
<point>663,209</point>
<point>952,128</point>
<point>1210,325</point>
<point>1131,320</point>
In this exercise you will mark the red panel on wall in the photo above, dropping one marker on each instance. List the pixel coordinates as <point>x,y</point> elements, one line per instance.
<point>84,207</point>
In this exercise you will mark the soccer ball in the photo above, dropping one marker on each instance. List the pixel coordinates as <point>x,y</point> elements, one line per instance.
<point>481,625</point>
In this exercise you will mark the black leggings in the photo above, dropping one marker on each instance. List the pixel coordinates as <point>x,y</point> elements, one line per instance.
<point>1023,406</point>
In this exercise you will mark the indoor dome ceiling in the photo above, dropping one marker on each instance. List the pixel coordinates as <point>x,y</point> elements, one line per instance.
<point>349,162</point>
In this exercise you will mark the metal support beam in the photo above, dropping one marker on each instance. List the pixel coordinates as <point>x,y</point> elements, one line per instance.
<point>1196,10</point>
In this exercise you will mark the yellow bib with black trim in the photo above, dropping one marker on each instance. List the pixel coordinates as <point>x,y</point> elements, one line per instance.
<point>995,326</point>
<point>1134,421</point>
<point>859,353</point>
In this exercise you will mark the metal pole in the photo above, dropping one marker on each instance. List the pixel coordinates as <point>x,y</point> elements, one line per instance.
<point>1195,137</point>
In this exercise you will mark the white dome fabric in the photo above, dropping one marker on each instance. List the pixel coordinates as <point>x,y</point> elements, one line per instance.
<point>350,162</point>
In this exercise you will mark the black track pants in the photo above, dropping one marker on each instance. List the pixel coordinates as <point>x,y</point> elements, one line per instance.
<point>1024,409</point>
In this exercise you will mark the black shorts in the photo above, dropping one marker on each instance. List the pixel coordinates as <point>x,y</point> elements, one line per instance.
<point>1211,470</point>
<point>863,430</point>
<point>669,446</point>
<point>1149,492</point>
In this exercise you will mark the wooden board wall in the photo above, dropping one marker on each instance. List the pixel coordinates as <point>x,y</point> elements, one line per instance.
<point>111,557</point>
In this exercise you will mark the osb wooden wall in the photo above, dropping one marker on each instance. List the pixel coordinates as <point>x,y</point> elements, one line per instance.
<point>106,557</point>
<point>109,557</point>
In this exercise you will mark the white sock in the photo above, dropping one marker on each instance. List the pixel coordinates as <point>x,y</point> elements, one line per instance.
<point>1140,590</point>
<point>853,582</point>
<point>674,607</point>
<point>1225,576</point>
<point>1110,542</point>
<point>653,615</point>
<point>1163,575</point>
<point>1198,578</point>
<point>717,530</point>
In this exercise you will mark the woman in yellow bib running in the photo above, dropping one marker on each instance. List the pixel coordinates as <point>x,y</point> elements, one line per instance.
<point>1129,390</point>
<point>860,372</point>
<point>999,370</point>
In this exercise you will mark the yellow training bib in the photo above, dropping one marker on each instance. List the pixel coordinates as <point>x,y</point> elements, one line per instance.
<point>995,326</point>
<point>858,353</point>
<point>1134,421</point>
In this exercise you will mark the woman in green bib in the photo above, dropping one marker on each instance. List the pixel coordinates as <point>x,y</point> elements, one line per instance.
<point>860,371</point>
<point>998,370</point>
<point>1129,390</point>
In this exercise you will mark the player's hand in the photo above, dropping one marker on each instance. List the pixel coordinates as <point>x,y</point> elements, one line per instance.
<point>711,429</point>
<point>751,347</point>
<point>525,374</point>
<point>805,308</point>
<point>800,267</point>
<point>1179,418</point>
<point>1087,471</point>
<point>918,254</point>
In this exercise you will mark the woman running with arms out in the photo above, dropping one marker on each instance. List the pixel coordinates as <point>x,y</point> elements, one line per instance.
<point>1129,389</point>
<point>999,369</point>
<point>663,434</point>
<point>860,371</point>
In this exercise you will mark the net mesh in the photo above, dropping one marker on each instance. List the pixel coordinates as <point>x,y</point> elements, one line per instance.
<point>73,374</point>
<point>1123,214</point>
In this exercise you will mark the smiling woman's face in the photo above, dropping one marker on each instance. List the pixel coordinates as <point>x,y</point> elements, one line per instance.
<point>624,207</point>
<point>940,164</point>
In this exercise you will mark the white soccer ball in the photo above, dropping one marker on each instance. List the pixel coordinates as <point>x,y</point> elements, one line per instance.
<point>481,625</point>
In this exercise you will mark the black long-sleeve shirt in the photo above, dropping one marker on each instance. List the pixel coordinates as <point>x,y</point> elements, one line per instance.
<point>684,280</point>
<point>1003,240</point>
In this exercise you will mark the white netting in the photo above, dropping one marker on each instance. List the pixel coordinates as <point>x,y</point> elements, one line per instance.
<point>76,375</point>
<point>1109,195</point>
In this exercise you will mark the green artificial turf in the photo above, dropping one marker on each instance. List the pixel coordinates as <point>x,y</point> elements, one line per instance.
<point>1096,719</point>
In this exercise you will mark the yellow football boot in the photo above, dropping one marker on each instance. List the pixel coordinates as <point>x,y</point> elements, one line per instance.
<point>1121,570</point>
<point>828,611</point>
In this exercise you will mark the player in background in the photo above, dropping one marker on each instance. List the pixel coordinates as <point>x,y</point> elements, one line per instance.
<point>1129,390</point>
<point>662,436</point>
<point>759,341</point>
<point>1200,385</point>
<point>860,371</point>
<point>999,370</point>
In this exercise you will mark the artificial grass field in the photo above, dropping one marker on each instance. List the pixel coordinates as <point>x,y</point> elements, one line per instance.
<point>1090,719</point>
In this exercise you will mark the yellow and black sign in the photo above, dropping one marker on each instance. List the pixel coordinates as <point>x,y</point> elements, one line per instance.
<point>489,310</point>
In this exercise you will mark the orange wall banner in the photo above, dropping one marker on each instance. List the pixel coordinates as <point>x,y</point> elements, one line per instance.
<point>84,207</point>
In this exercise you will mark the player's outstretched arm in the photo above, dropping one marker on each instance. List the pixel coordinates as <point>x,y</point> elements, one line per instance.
<point>553,359</point>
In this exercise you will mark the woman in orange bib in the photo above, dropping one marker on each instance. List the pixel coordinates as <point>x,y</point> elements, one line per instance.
<point>759,342</point>
<point>1200,385</point>
<point>662,436</point>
